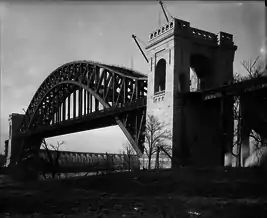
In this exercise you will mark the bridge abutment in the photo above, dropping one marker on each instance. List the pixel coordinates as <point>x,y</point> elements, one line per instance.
<point>14,144</point>
<point>23,152</point>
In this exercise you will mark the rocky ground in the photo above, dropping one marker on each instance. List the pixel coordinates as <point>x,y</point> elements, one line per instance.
<point>182,193</point>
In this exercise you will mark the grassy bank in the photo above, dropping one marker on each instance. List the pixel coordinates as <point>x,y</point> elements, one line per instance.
<point>185,192</point>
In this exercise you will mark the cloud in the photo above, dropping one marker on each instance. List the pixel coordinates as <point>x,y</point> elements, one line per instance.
<point>80,24</point>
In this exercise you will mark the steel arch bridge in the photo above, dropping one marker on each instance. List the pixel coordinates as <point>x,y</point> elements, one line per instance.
<point>86,95</point>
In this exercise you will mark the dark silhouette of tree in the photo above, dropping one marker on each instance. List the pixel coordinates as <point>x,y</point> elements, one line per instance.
<point>52,164</point>
<point>128,152</point>
<point>156,134</point>
<point>254,71</point>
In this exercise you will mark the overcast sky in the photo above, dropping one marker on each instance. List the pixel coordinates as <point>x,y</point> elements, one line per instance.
<point>38,38</point>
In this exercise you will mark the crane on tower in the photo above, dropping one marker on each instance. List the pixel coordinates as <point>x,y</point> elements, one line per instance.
<point>134,37</point>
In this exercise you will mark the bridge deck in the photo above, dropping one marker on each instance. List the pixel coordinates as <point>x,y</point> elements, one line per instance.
<point>98,119</point>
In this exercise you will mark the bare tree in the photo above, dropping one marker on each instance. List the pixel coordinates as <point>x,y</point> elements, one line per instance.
<point>53,160</point>
<point>128,151</point>
<point>156,134</point>
<point>253,71</point>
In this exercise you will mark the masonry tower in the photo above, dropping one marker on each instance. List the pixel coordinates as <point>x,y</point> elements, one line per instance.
<point>174,50</point>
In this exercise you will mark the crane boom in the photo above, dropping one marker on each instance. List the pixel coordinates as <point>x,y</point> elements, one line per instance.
<point>161,4</point>
<point>134,37</point>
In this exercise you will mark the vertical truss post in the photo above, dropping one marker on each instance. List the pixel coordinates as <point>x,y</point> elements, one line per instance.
<point>59,112</point>
<point>90,103</point>
<point>57,106</point>
<point>74,104</point>
<point>113,89</point>
<point>56,121</point>
<point>52,112</point>
<point>80,102</point>
<point>64,106</point>
<point>105,84</point>
<point>97,77</point>
<point>60,106</point>
<point>124,90</point>
<point>136,126</point>
<point>84,101</point>
<point>96,105</point>
<point>97,72</point>
<point>69,107</point>
<point>136,89</point>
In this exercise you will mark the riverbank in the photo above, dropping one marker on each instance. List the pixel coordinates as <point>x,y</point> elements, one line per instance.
<point>185,192</point>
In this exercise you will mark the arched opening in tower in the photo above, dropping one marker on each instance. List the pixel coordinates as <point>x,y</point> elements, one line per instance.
<point>160,76</point>
<point>200,72</point>
<point>194,81</point>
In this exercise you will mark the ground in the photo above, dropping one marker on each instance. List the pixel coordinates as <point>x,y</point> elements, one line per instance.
<point>185,192</point>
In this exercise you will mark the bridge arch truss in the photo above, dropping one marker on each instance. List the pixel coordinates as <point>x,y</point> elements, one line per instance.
<point>83,92</point>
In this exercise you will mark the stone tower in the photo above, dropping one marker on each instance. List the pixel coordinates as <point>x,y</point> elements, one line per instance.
<point>173,50</point>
